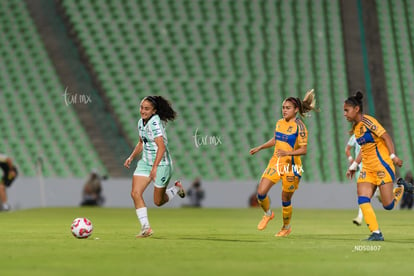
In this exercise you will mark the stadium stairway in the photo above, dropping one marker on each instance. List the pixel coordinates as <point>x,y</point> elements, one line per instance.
<point>93,112</point>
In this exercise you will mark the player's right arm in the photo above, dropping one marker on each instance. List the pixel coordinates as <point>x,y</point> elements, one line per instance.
<point>137,150</point>
<point>348,154</point>
<point>268,144</point>
<point>354,166</point>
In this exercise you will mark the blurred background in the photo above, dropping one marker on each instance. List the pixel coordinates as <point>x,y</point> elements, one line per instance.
<point>73,73</point>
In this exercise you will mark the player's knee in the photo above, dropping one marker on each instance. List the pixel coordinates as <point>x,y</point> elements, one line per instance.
<point>135,194</point>
<point>363,199</point>
<point>260,197</point>
<point>389,206</point>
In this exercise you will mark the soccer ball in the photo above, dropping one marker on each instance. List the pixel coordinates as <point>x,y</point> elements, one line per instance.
<point>81,228</point>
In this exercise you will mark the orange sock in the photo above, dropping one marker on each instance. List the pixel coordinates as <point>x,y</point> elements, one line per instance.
<point>369,216</point>
<point>265,203</point>
<point>287,214</point>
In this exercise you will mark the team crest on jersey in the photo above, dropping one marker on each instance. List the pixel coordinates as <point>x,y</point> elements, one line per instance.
<point>289,129</point>
<point>363,174</point>
<point>361,130</point>
<point>290,178</point>
<point>381,174</point>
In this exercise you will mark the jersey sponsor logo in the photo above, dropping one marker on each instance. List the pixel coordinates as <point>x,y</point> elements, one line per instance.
<point>366,138</point>
<point>381,174</point>
<point>291,187</point>
<point>290,179</point>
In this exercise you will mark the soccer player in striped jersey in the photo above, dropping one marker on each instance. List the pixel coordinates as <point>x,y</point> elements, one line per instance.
<point>378,159</point>
<point>156,164</point>
<point>290,142</point>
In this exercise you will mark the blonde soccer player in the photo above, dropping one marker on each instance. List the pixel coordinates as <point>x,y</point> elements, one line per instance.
<point>378,159</point>
<point>155,165</point>
<point>290,143</point>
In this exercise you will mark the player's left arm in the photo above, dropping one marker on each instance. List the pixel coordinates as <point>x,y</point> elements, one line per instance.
<point>391,149</point>
<point>159,141</point>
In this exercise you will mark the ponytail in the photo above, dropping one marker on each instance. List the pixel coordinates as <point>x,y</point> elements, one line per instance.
<point>306,105</point>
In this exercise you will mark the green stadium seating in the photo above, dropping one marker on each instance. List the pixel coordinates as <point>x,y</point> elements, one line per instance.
<point>396,29</point>
<point>226,66</point>
<point>35,121</point>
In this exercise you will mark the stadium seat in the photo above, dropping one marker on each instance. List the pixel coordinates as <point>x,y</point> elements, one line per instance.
<point>226,66</point>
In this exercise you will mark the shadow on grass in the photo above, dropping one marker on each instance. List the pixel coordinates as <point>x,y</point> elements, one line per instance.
<point>348,237</point>
<point>329,237</point>
<point>208,239</point>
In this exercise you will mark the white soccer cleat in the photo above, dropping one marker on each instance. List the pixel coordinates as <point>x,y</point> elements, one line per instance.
<point>145,232</point>
<point>357,221</point>
<point>181,191</point>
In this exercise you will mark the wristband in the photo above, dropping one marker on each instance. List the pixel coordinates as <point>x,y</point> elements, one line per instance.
<point>350,158</point>
<point>353,166</point>
<point>392,156</point>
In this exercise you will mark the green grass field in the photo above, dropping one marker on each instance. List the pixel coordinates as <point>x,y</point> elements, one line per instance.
<point>202,242</point>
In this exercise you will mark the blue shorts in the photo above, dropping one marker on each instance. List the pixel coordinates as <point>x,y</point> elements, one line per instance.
<point>164,173</point>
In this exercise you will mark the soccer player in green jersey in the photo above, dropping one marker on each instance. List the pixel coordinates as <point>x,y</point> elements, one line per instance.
<point>155,164</point>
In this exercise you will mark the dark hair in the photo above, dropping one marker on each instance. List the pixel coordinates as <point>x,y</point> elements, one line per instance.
<point>356,100</point>
<point>306,105</point>
<point>163,108</point>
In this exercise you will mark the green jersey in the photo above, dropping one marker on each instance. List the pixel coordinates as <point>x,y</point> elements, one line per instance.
<point>152,129</point>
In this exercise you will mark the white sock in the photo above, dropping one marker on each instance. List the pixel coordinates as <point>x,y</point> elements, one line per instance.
<point>360,213</point>
<point>142,216</point>
<point>171,192</point>
<point>268,213</point>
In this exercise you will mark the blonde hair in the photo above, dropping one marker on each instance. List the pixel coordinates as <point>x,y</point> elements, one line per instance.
<point>306,105</point>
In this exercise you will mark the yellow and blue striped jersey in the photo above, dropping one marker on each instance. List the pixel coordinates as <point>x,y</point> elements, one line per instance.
<point>290,136</point>
<point>374,151</point>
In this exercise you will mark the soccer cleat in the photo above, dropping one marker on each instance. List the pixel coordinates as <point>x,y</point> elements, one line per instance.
<point>398,193</point>
<point>284,232</point>
<point>265,220</point>
<point>181,191</point>
<point>357,221</point>
<point>408,187</point>
<point>375,237</point>
<point>145,232</point>
<point>5,207</point>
